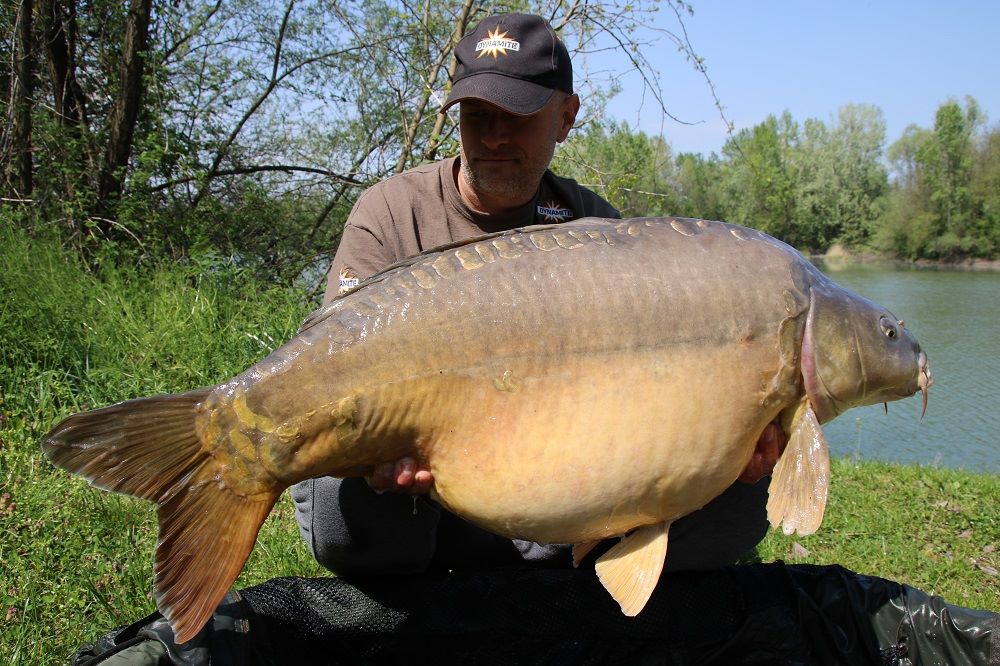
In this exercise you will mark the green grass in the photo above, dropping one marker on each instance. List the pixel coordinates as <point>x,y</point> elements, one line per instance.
<point>935,529</point>
<point>76,562</point>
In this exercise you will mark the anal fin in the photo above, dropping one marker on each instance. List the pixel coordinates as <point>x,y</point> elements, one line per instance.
<point>801,480</point>
<point>631,569</point>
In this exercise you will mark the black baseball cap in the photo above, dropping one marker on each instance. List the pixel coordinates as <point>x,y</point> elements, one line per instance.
<point>513,61</point>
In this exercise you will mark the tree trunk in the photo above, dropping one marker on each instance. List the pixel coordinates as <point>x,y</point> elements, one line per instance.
<point>122,122</point>
<point>23,95</point>
<point>59,33</point>
<point>59,27</point>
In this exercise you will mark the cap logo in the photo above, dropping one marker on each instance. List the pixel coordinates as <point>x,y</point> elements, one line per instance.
<point>496,44</point>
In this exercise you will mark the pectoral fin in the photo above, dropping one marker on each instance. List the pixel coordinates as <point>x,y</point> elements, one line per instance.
<point>631,569</point>
<point>798,490</point>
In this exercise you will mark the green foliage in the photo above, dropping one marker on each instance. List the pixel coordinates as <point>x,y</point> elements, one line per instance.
<point>697,185</point>
<point>260,123</point>
<point>985,192</point>
<point>811,185</point>
<point>759,184</point>
<point>815,184</point>
<point>944,196</point>
<point>630,169</point>
<point>851,177</point>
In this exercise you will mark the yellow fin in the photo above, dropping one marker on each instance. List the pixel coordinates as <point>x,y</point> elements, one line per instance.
<point>581,549</point>
<point>149,448</point>
<point>631,569</point>
<point>797,494</point>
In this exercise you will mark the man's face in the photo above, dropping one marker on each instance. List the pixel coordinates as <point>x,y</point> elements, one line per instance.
<point>503,155</point>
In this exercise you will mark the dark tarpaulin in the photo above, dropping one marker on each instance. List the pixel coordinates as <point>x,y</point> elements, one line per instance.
<point>753,614</point>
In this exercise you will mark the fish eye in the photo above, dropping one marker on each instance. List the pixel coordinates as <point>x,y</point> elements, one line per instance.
<point>888,328</point>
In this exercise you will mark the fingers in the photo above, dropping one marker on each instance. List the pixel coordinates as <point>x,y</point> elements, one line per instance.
<point>423,480</point>
<point>402,476</point>
<point>772,444</point>
<point>769,448</point>
<point>382,476</point>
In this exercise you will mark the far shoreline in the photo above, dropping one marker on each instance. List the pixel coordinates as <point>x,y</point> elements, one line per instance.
<point>837,254</point>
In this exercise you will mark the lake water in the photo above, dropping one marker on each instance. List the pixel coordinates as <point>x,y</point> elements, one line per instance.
<point>956,317</point>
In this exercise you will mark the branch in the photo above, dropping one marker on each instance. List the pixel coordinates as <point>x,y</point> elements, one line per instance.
<point>699,65</point>
<point>196,28</point>
<point>242,171</point>
<point>272,85</point>
<point>448,50</point>
<point>641,66</point>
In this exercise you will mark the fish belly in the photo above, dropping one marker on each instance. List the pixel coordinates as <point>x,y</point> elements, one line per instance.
<point>567,450</point>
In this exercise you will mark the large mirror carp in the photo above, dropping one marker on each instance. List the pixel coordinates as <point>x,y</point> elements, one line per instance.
<point>563,384</point>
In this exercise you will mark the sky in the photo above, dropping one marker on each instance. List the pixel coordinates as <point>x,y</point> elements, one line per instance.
<point>811,57</point>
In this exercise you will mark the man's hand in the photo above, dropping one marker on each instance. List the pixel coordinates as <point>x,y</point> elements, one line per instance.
<point>402,476</point>
<point>769,448</point>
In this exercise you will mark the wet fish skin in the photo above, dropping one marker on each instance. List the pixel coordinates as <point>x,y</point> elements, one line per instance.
<point>530,370</point>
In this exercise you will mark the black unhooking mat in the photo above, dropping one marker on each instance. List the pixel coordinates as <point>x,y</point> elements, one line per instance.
<point>756,614</point>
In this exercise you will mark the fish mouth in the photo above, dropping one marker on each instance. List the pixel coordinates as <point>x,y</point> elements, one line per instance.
<point>924,379</point>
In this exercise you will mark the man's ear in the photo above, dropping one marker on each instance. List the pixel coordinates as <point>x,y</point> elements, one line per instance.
<point>570,107</point>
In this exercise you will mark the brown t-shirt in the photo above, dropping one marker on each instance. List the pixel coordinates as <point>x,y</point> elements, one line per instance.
<point>421,209</point>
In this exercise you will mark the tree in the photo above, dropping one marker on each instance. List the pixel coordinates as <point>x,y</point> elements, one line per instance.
<point>947,162</point>
<point>906,228</point>
<point>697,181</point>
<point>985,192</point>
<point>94,86</point>
<point>759,187</point>
<point>932,211</point>
<point>127,105</point>
<point>810,185</point>
<point>630,169</point>
<point>16,135</point>
<point>841,180</point>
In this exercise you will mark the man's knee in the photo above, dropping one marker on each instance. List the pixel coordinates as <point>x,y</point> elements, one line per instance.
<point>351,530</point>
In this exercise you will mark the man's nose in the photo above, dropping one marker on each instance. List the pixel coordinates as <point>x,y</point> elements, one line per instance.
<point>497,131</point>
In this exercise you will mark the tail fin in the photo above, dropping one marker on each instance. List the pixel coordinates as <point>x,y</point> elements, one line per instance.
<point>149,448</point>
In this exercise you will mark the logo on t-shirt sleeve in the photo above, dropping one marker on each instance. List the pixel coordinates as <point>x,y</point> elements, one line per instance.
<point>348,280</point>
<point>553,211</point>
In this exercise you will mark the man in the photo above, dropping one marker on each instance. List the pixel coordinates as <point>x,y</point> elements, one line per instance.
<point>514,88</point>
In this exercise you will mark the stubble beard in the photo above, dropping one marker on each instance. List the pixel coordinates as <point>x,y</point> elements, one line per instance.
<point>516,186</point>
